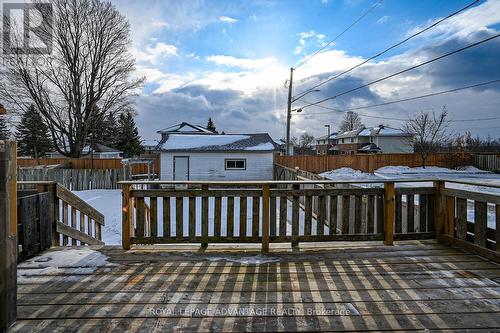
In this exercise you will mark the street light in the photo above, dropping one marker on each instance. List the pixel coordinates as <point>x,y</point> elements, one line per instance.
<point>302,95</point>
<point>292,99</point>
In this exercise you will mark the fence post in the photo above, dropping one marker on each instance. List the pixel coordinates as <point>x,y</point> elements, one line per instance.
<point>265,218</point>
<point>438,208</point>
<point>8,235</point>
<point>389,213</point>
<point>127,211</point>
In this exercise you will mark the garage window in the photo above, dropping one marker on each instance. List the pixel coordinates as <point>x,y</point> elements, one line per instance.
<point>240,164</point>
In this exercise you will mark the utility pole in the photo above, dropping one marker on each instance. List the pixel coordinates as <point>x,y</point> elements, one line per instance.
<point>328,140</point>
<point>289,114</point>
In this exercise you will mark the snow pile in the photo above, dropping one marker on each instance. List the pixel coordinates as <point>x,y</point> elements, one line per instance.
<point>253,260</point>
<point>426,170</point>
<point>187,141</point>
<point>348,174</point>
<point>83,260</point>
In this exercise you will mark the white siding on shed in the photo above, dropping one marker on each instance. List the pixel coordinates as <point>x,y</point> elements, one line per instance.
<point>211,165</point>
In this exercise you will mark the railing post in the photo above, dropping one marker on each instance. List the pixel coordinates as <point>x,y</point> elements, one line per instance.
<point>54,213</point>
<point>265,218</point>
<point>127,211</point>
<point>439,208</point>
<point>389,213</point>
<point>8,235</point>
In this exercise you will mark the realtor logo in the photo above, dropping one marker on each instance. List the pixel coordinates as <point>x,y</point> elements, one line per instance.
<point>27,28</point>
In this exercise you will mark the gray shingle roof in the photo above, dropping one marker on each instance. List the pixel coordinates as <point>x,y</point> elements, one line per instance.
<point>222,142</point>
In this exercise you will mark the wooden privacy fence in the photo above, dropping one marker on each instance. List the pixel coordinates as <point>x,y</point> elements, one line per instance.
<point>73,221</point>
<point>489,162</point>
<point>75,179</point>
<point>363,162</point>
<point>85,163</point>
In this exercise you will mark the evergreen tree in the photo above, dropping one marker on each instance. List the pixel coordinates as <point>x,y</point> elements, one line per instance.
<point>210,125</point>
<point>4,130</point>
<point>128,139</point>
<point>103,130</point>
<point>32,134</point>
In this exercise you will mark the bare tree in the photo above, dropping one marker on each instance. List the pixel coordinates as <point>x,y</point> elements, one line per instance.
<point>88,74</point>
<point>350,122</point>
<point>429,131</point>
<point>304,143</point>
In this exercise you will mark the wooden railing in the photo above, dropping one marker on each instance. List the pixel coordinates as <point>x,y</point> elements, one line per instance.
<point>472,219</point>
<point>74,222</point>
<point>276,211</point>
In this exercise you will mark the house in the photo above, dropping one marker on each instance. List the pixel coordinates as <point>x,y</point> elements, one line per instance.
<point>322,147</point>
<point>191,152</point>
<point>380,139</point>
<point>100,151</point>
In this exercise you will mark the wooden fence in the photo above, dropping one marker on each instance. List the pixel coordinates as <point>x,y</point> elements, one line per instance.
<point>75,179</point>
<point>33,223</point>
<point>363,162</point>
<point>73,221</point>
<point>85,163</point>
<point>489,162</point>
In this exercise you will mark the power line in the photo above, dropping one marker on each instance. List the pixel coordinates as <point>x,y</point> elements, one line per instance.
<point>399,100</point>
<point>391,47</point>
<point>340,34</point>
<point>405,70</point>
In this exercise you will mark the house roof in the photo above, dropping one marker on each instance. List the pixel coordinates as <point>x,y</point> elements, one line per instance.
<point>373,131</point>
<point>350,134</point>
<point>387,131</point>
<point>185,128</point>
<point>218,142</point>
<point>324,137</point>
<point>105,149</point>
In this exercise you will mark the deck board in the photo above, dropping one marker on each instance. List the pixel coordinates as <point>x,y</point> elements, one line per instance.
<point>411,286</point>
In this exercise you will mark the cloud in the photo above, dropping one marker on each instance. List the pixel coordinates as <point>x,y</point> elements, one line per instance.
<point>475,19</point>
<point>318,40</point>
<point>246,94</point>
<point>154,53</point>
<point>240,62</point>
<point>383,19</point>
<point>227,19</point>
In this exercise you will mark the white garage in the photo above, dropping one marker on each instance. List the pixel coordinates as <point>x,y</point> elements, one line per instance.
<point>216,157</point>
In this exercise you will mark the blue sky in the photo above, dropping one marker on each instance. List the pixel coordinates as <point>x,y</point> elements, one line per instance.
<point>229,59</point>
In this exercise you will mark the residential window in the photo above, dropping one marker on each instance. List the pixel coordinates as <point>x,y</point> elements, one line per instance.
<point>352,140</point>
<point>342,140</point>
<point>240,164</point>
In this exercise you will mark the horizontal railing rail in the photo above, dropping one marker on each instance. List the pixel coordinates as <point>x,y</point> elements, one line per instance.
<point>74,222</point>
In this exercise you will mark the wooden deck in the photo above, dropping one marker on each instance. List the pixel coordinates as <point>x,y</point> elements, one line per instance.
<point>414,285</point>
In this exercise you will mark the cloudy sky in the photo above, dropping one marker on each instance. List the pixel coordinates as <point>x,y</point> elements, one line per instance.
<point>229,60</point>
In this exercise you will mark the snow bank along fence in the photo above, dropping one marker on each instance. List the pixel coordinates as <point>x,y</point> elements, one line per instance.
<point>489,162</point>
<point>363,162</point>
<point>74,179</point>
<point>271,211</point>
<point>73,222</point>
